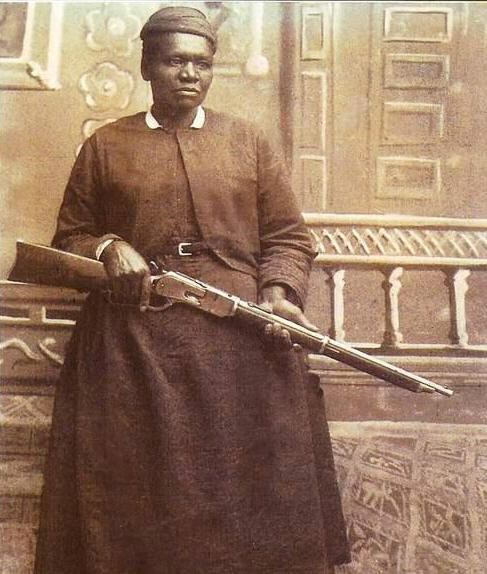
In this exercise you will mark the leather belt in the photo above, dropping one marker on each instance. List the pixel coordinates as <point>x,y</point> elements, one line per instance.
<point>185,249</point>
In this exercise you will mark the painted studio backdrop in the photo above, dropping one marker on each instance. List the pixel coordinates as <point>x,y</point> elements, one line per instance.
<point>380,109</point>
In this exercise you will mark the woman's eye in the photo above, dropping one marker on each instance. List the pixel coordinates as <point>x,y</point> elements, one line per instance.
<point>176,62</point>
<point>203,65</point>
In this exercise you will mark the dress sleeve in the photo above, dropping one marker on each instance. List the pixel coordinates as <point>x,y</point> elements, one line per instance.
<point>286,248</point>
<point>80,224</point>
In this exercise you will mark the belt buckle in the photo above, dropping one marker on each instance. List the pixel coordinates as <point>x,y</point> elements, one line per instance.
<point>181,251</point>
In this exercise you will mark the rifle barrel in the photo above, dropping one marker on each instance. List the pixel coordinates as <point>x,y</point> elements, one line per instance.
<point>323,345</point>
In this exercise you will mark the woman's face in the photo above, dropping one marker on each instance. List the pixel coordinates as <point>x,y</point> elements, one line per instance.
<point>180,70</point>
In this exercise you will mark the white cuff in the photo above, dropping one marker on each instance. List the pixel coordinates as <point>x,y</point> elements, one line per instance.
<point>101,248</point>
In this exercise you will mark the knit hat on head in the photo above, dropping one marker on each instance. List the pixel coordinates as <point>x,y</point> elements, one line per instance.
<point>181,19</point>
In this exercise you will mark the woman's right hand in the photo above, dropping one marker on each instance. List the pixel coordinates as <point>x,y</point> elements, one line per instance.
<point>128,273</point>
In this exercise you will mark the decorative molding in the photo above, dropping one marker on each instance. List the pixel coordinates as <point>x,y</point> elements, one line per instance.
<point>35,314</point>
<point>51,355</point>
<point>313,30</point>
<point>418,24</point>
<point>392,286</point>
<point>373,240</point>
<point>380,241</point>
<point>337,304</point>
<point>36,323</point>
<point>416,71</point>
<point>43,76</point>
<point>394,220</point>
<point>313,112</point>
<point>313,180</point>
<point>25,409</point>
<point>107,87</point>
<point>19,345</point>
<point>408,177</point>
<point>112,28</point>
<point>36,65</point>
<point>412,123</point>
<point>457,283</point>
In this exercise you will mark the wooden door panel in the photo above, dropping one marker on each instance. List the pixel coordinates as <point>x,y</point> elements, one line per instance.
<point>413,109</point>
<point>310,108</point>
<point>387,107</point>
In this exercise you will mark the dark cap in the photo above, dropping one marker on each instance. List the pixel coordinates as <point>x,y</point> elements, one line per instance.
<point>181,19</point>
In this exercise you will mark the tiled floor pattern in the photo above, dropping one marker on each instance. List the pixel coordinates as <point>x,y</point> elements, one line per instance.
<point>414,495</point>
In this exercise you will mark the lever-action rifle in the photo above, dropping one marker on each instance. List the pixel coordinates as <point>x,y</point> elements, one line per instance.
<point>48,266</point>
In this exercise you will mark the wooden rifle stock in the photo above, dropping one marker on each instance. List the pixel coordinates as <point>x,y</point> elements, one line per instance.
<point>48,266</point>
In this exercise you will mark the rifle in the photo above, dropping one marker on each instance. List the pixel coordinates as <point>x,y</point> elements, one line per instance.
<point>49,266</point>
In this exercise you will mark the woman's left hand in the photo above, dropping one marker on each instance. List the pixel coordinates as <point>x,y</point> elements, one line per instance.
<point>273,299</point>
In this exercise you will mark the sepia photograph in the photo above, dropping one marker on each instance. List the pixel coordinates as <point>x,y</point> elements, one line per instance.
<point>243,255</point>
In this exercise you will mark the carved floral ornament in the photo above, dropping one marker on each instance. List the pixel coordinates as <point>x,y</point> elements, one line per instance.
<point>112,28</point>
<point>106,87</point>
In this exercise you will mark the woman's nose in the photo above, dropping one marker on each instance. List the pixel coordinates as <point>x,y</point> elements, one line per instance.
<point>188,71</point>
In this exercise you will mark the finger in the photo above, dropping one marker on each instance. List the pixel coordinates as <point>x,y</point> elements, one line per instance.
<point>276,330</point>
<point>282,336</point>
<point>266,306</point>
<point>278,336</point>
<point>285,338</point>
<point>305,322</point>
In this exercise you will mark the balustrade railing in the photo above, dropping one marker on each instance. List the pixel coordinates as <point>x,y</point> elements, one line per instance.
<point>394,245</point>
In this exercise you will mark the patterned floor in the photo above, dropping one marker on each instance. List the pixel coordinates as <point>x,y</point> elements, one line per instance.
<point>415,497</point>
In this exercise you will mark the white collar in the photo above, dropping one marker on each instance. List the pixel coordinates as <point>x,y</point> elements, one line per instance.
<point>198,122</point>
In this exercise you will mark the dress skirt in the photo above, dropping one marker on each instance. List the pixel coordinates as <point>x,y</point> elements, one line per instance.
<point>181,443</point>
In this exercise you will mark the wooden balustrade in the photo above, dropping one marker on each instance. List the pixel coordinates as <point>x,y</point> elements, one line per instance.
<point>395,245</point>
<point>392,286</point>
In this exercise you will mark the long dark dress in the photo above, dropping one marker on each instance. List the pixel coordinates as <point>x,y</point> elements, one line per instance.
<point>182,444</point>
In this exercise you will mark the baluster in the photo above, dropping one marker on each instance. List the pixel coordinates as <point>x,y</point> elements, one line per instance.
<point>337,277</point>
<point>458,287</point>
<point>392,285</point>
